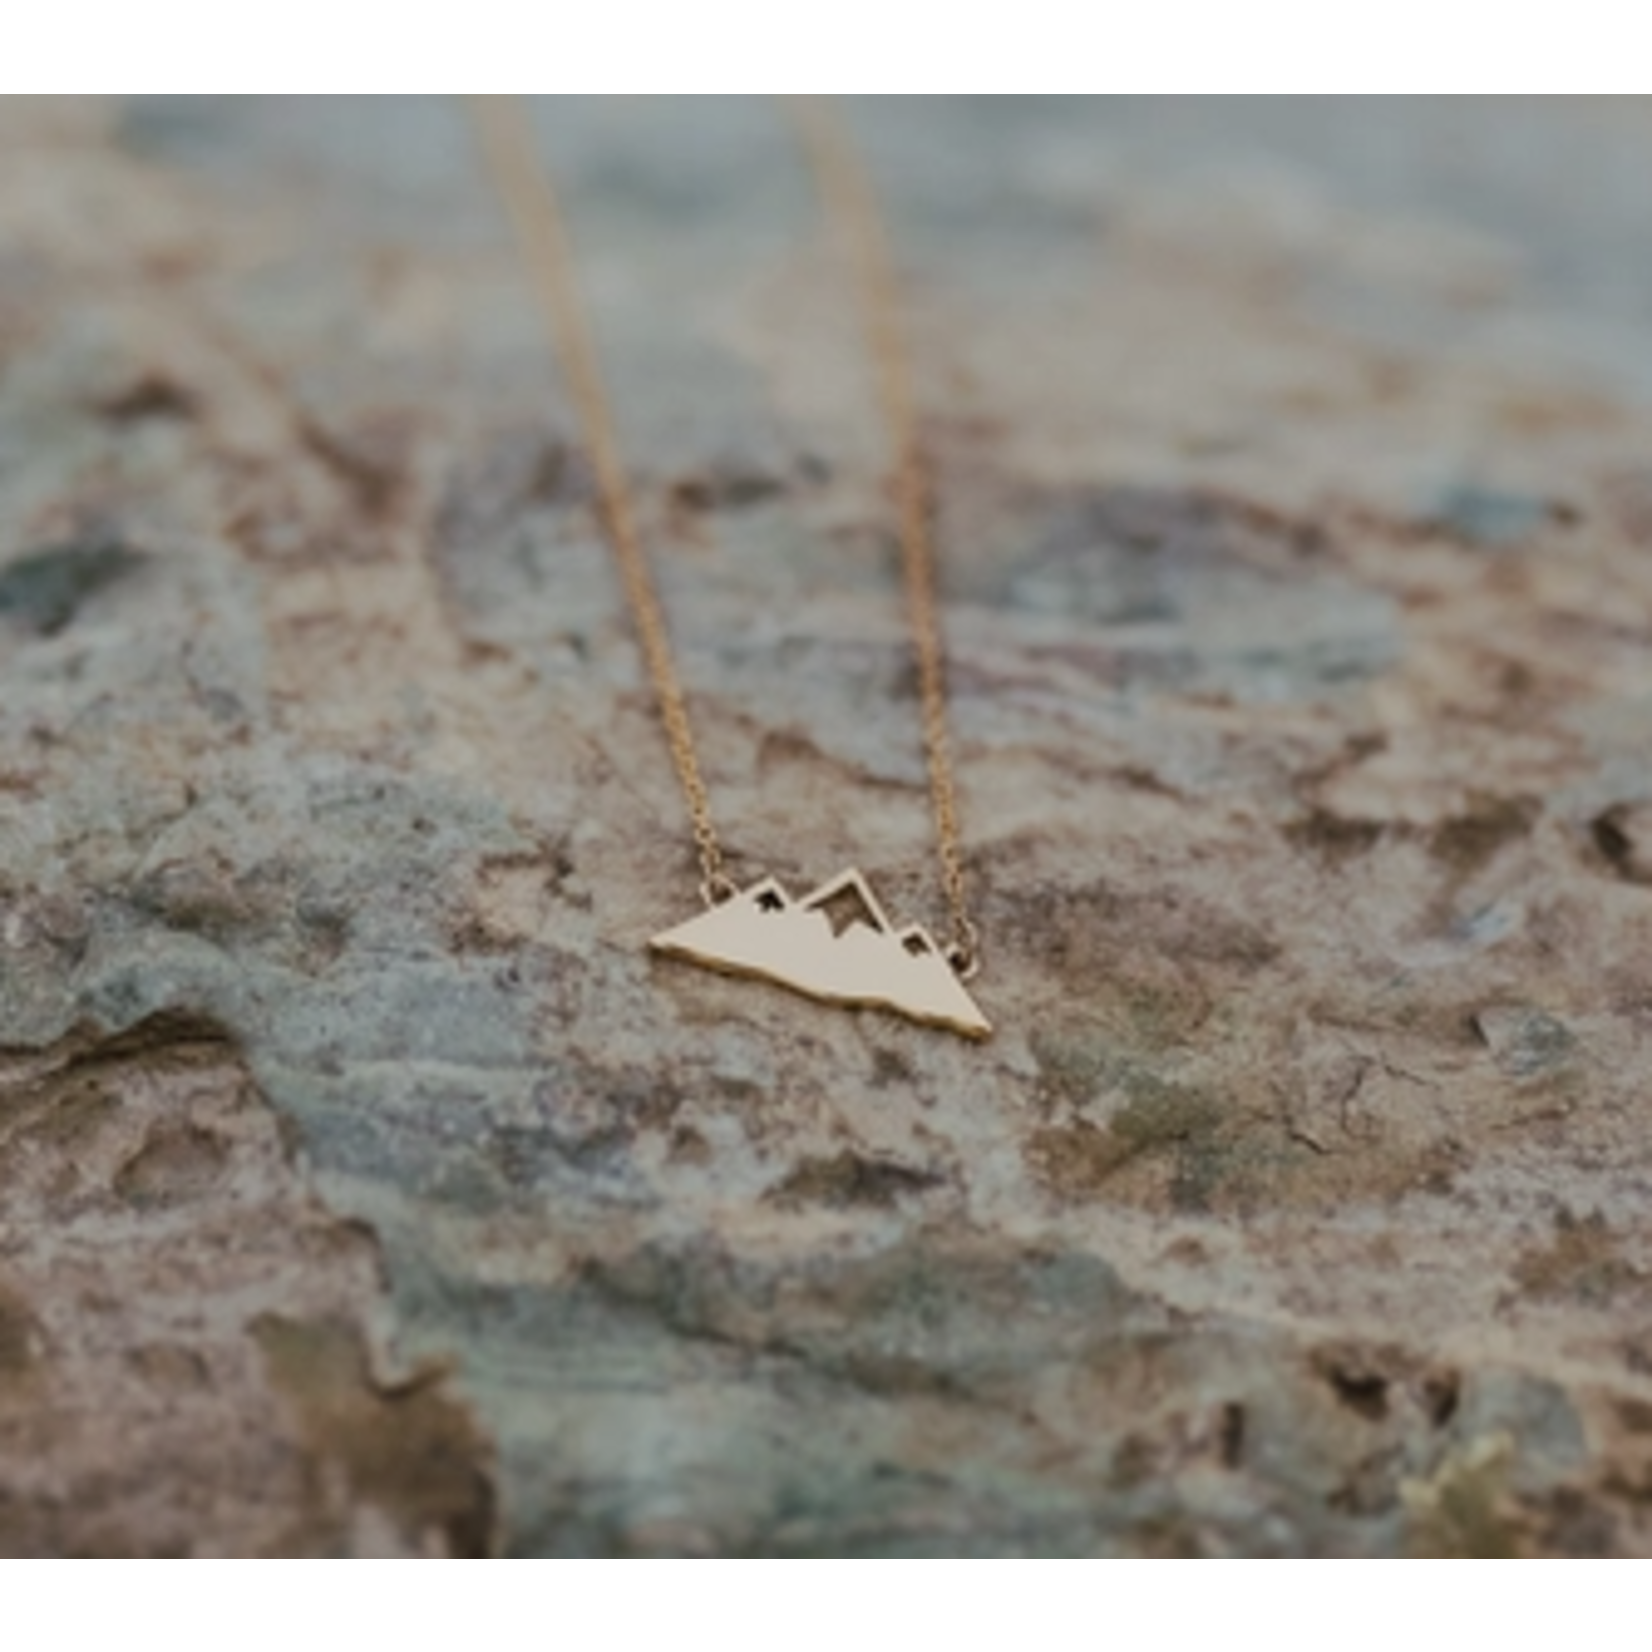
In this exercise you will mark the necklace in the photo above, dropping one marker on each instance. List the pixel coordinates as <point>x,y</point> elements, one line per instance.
<point>834,943</point>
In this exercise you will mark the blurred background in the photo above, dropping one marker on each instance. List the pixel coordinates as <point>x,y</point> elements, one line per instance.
<point>364,1186</point>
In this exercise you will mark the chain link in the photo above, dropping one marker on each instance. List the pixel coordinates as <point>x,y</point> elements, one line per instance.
<point>852,206</point>
<point>526,188</point>
<point>524,184</point>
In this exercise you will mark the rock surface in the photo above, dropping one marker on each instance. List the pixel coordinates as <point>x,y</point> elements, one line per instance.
<point>365,1187</point>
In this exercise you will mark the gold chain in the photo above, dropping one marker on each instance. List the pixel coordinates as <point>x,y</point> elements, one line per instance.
<point>525,186</point>
<point>850,202</point>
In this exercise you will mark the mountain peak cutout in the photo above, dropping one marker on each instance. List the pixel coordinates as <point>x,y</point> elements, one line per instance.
<point>847,899</point>
<point>836,944</point>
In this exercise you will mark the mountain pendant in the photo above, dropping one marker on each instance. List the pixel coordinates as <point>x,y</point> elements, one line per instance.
<point>834,944</point>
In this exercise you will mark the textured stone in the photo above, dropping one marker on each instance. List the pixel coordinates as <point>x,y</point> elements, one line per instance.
<point>366,1185</point>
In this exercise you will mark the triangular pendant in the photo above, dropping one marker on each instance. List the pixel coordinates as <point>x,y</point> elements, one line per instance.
<point>834,944</point>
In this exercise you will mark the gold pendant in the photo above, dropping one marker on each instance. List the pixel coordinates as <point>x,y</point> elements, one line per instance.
<point>834,944</point>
